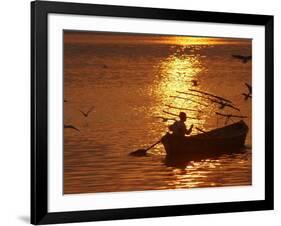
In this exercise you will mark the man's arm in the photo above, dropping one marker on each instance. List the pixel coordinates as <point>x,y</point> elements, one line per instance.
<point>172,127</point>
<point>189,131</point>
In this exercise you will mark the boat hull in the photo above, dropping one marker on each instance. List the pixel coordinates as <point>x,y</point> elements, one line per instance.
<point>228,139</point>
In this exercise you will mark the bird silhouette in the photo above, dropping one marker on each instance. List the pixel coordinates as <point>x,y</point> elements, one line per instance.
<point>194,82</point>
<point>249,87</point>
<point>86,114</point>
<point>164,119</point>
<point>246,96</point>
<point>70,127</point>
<point>249,94</point>
<point>224,104</point>
<point>244,59</point>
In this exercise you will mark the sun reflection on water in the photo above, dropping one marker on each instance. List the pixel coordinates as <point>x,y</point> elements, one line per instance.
<point>130,79</point>
<point>178,73</point>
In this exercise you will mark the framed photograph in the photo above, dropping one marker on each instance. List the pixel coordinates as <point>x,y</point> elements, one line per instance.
<point>145,112</point>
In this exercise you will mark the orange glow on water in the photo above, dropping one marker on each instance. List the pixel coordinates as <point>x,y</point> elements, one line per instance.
<point>132,78</point>
<point>178,74</point>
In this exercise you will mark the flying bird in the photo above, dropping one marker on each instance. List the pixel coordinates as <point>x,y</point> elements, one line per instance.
<point>249,87</point>
<point>70,127</point>
<point>224,104</point>
<point>194,82</point>
<point>249,94</point>
<point>86,114</point>
<point>246,96</point>
<point>244,59</point>
<point>164,119</point>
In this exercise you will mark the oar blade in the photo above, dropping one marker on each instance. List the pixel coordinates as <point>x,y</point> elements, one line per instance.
<point>139,152</point>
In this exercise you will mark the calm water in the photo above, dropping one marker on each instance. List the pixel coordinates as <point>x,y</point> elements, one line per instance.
<point>129,83</point>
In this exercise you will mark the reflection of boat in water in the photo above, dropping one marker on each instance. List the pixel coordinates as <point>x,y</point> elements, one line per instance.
<point>224,140</point>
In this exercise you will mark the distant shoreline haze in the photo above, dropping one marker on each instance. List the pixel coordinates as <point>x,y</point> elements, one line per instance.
<point>79,37</point>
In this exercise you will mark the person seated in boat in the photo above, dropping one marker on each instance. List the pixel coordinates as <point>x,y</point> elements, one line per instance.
<point>179,128</point>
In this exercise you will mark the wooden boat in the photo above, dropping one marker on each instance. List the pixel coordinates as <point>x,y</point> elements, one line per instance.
<point>227,139</point>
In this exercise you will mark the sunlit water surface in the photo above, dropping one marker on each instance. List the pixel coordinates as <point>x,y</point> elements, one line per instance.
<point>128,85</point>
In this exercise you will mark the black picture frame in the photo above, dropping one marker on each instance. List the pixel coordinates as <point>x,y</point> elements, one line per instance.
<point>39,112</point>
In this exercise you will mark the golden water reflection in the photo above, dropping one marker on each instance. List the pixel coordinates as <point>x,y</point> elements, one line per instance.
<point>193,175</point>
<point>131,84</point>
<point>179,73</point>
<point>205,173</point>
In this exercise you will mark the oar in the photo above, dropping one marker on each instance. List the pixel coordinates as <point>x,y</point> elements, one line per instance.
<point>142,152</point>
<point>200,130</point>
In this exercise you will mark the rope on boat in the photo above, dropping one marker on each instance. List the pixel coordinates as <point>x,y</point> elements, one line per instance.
<point>185,109</point>
<point>222,101</point>
<point>184,98</point>
<point>210,94</point>
<point>231,116</point>
<point>192,94</point>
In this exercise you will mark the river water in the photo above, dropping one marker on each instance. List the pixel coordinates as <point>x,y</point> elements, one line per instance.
<point>128,80</point>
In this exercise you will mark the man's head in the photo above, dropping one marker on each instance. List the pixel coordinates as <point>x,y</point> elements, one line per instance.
<point>182,116</point>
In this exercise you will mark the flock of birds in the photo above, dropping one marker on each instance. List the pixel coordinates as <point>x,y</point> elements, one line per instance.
<point>84,113</point>
<point>244,59</point>
<point>222,102</point>
<point>226,103</point>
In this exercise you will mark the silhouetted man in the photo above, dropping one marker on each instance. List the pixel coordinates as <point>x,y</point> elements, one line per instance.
<point>179,128</point>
